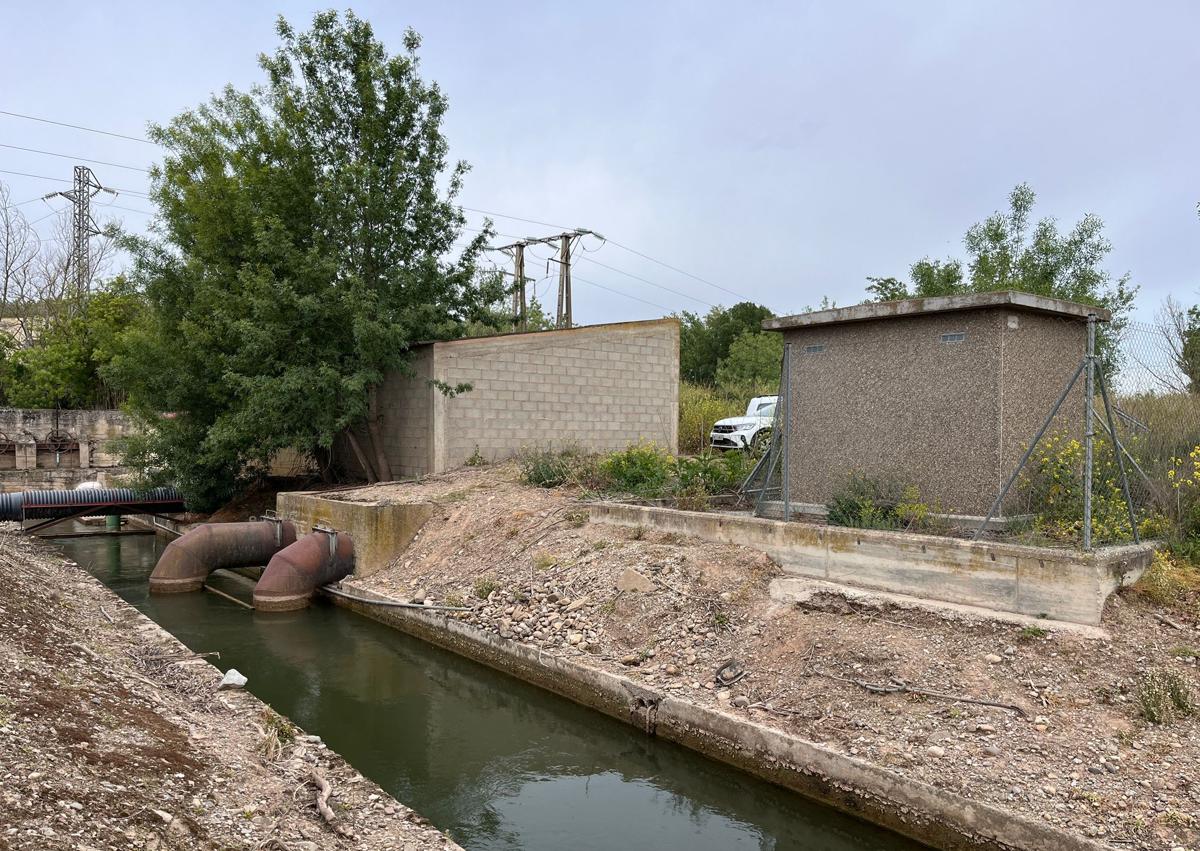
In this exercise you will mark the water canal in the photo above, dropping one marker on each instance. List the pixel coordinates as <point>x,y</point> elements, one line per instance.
<point>495,762</point>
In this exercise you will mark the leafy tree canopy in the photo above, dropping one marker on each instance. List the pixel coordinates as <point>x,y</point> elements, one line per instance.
<point>1009,250</point>
<point>62,367</point>
<point>705,341</point>
<point>752,365</point>
<point>303,245</point>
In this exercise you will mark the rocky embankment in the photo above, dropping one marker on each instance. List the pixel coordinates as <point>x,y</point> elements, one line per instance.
<point>114,736</point>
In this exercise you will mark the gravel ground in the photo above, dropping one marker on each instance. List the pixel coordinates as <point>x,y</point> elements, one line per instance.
<point>1068,745</point>
<point>114,736</point>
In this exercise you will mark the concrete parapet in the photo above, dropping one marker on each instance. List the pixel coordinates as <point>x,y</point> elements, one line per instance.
<point>380,530</point>
<point>1040,582</point>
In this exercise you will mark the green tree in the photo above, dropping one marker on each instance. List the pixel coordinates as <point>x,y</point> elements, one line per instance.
<point>1009,250</point>
<point>752,365</point>
<point>62,367</point>
<point>705,341</point>
<point>304,246</point>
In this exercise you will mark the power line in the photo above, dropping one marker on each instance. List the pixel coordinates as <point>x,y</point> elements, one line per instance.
<point>76,127</point>
<point>617,244</point>
<point>618,292</point>
<point>675,269</point>
<point>77,159</point>
<point>517,218</point>
<point>648,281</point>
<point>136,192</point>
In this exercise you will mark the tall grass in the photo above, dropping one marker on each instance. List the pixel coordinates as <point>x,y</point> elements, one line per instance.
<point>699,408</point>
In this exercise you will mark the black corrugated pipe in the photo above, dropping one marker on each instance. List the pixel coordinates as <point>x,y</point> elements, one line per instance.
<point>10,505</point>
<point>55,504</point>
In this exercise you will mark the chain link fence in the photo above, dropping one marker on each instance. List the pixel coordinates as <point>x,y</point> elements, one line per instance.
<point>1155,460</point>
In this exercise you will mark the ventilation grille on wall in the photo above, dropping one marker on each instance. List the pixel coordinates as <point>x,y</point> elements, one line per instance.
<point>954,338</point>
<point>814,350</point>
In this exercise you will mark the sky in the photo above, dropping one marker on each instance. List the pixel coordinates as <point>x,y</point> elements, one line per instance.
<point>777,152</point>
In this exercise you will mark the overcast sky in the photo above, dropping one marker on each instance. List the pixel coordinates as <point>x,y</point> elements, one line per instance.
<point>781,151</point>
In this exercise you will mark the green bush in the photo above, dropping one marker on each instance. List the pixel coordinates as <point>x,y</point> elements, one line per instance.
<point>545,468</point>
<point>642,469</point>
<point>699,408</point>
<point>864,502</point>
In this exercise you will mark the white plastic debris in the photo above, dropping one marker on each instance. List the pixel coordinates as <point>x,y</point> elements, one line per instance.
<point>233,679</point>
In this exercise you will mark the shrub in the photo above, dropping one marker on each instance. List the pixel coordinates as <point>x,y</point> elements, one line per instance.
<point>1053,490</point>
<point>699,408</point>
<point>868,503</point>
<point>712,473</point>
<point>1169,580</point>
<point>484,586</point>
<point>642,469</point>
<point>544,468</point>
<point>1164,695</point>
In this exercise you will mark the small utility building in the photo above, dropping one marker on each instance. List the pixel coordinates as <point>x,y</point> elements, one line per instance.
<point>943,393</point>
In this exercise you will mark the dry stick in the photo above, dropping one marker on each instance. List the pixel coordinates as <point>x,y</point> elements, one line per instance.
<point>1166,621</point>
<point>228,597</point>
<point>324,790</point>
<point>898,687</point>
<point>107,616</point>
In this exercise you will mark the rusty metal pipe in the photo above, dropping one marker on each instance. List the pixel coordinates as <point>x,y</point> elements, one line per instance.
<point>188,560</point>
<point>295,572</point>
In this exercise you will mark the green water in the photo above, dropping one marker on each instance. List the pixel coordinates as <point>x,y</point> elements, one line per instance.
<point>495,762</point>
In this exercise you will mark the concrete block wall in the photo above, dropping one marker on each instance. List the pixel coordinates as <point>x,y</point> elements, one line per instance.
<point>598,388</point>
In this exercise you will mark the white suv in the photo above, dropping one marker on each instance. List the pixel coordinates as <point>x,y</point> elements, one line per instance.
<point>751,431</point>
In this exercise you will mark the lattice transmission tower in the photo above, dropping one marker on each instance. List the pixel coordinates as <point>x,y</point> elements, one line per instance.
<point>83,226</point>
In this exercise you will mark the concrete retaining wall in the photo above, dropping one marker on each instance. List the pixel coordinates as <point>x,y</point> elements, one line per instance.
<point>380,531</point>
<point>1040,582</point>
<point>925,813</point>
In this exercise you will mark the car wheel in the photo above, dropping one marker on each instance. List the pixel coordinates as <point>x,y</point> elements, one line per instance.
<point>760,442</point>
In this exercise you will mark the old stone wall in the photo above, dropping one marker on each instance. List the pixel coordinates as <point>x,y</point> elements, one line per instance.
<point>49,448</point>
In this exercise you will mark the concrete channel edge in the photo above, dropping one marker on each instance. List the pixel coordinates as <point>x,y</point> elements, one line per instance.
<point>933,816</point>
<point>141,622</point>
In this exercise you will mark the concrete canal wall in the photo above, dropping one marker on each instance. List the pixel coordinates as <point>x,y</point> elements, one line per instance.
<point>922,812</point>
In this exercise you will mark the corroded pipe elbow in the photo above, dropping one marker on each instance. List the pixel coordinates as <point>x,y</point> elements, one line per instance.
<point>296,572</point>
<point>188,560</point>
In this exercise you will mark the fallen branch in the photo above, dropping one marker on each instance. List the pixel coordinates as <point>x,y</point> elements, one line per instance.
<point>175,657</point>
<point>901,687</point>
<point>1166,621</point>
<point>324,790</point>
<point>107,616</point>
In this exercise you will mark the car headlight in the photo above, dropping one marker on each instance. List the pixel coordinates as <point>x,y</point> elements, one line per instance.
<point>743,426</point>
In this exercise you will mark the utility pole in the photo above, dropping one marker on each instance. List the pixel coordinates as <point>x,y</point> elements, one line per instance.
<point>519,318</point>
<point>83,225</point>
<point>565,241</point>
<point>564,281</point>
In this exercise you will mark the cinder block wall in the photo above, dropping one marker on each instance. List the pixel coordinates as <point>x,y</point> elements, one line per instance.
<point>890,399</point>
<point>598,388</point>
